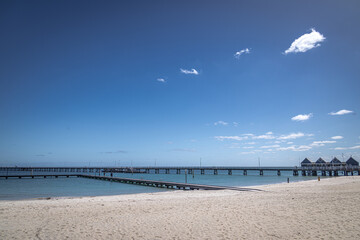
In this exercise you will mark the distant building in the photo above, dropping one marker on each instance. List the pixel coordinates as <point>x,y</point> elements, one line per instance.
<point>320,162</point>
<point>352,162</point>
<point>335,162</point>
<point>306,163</point>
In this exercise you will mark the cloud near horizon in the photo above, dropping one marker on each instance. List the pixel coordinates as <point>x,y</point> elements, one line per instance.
<point>192,71</point>
<point>241,52</point>
<point>341,112</point>
<point>306,42</point>
<point>302,117</point>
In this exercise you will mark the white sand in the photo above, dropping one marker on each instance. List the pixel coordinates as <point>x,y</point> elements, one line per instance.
<point>328,209</point>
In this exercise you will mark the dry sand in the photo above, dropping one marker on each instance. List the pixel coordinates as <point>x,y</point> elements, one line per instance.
<point>328,209</point>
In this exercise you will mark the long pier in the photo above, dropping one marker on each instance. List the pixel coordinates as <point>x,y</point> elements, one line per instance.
<point>143,182</point>
<point>296,171</point>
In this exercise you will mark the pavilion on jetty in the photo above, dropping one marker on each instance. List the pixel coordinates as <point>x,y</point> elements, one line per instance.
<point>333,167</point>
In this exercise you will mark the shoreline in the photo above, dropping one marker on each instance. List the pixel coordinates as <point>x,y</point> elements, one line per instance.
<point>161,190</point>
<point>307,209</point>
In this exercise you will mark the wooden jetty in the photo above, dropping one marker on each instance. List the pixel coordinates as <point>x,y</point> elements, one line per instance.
<point>143,182</point>
<point>165,184</point>
<point>310,170</point>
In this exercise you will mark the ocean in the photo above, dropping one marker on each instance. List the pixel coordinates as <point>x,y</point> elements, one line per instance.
<point>28,188</point>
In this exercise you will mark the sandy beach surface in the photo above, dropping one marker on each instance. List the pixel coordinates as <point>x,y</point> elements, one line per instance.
<point>326,209</point>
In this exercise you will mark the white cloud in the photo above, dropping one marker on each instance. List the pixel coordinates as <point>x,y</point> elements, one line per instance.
<point>295,148</point>
<point>321,143</point>
<point>341,112</point>
<point>269,133</point>
<point>192,71</point>
<point>241,52</point>
<point>347,148</point>
<point>237,138</point>
<point>220,123</point>
<point>235,124</point>
<point>252,143</point>
<point>293,136</point>
<point>248,147</point>
<point>306,42</point>
<point>270,146</point>
<point>266,136</point>
<point>337,137</point>
<point>302,117</point>
<point>161,80</point>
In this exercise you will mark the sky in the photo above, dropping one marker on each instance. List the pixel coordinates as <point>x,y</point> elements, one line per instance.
<point>178,83</point>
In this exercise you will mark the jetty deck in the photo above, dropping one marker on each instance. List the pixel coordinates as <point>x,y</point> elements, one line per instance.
<point>326,170</point>
<point>143,182</point>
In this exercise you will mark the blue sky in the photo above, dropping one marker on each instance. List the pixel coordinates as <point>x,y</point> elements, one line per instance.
<point>170,82</point>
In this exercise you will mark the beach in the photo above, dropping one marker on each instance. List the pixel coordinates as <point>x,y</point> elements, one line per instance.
<point>326,209</point>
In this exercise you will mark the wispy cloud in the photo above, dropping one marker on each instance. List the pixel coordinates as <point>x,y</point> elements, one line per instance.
<point>295,148</point>
<point>192,71</point>
<point>306,42</point>
<point>266,136</point>
<point>161,80</point>
<point>347,148</point>
<point>294,136</point>
<point>220,123</point>
<point>248,147</point>
<point>341,112</point>
<point>270,146</point>
<point>321,143</point>
<point>237,138</point>
<point>241,52</point>
<point>302,117</point>
<point>337,137</point>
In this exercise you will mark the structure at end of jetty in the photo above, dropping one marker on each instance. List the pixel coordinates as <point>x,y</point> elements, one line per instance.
<point>333,167</point>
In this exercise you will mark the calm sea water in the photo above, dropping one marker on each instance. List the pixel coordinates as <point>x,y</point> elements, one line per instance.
<point>13,189</point>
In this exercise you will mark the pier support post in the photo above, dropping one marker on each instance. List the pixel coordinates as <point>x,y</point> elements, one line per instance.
<point>323,173</point>
<point>261,172</point>
<point>330,173</point>
<point>230,172</point>
<point>177,171</point>
<point>314,173</point>
<point>202,171</point>
<point>156,171</point>
<point>245,172</point>
<point>215,172</point>
<point>190,171</point>
<point>295,173</point>
<point>167,171</point>
<point>336,173</point>
<point>279,173</point>
<point>303,173</point>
